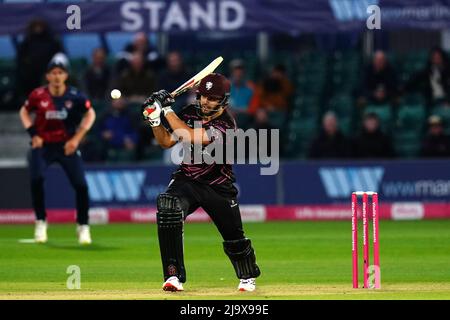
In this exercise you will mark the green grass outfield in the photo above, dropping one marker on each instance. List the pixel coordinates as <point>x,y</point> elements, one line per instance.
<point>298,260</point>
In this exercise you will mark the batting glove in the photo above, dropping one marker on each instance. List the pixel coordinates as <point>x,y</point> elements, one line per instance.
<point>151,111</point>
<point>165,99</point>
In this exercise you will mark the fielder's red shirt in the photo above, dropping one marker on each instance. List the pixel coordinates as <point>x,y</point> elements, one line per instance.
<point>57,118</point>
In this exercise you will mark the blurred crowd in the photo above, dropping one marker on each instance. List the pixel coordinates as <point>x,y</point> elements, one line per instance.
<point>381,86</point>
<point>265,102</point>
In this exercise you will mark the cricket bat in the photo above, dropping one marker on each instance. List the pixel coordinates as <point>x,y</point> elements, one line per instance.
<point>192,82</point>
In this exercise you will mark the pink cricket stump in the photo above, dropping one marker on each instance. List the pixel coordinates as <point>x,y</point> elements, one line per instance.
<point>355,239</point>
<point>376,244</point>
<point>365,240</point>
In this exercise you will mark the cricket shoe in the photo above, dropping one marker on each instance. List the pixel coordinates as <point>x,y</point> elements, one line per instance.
<point>84,234</point>
<point>40,231</point>
<point>173,284</point>
<point>247,285</point>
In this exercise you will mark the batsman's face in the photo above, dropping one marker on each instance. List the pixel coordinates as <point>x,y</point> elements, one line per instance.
<point>209,105</point>
<point>57,77</point>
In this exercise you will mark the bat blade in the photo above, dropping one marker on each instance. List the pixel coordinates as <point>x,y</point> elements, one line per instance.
<point>198,77</point>
<point>194,80</point>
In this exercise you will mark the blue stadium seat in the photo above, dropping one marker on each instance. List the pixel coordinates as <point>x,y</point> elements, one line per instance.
<point>116,41</point>
<point>407,144</point>
<point>81,45</point>
<point>411,118</point>
<point>342,104</point>
<point>7,49</point>
<point>384,113</point>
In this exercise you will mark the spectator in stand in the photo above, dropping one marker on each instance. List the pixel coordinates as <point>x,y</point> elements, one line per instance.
<point>33,55</point>
<point>372,142</point>
<point>273,95</point>
<point>173,76</point>
<point>380,82</point>
<point>241,93</point>
<point>434,80</point>
<point>330,143</point>
<point>142,46</point>
<point>97,76</point>
<point>136,81</point>
<point>436,144</point>
<point>117,128</point>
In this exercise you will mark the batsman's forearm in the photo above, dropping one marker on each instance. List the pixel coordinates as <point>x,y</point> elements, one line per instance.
<point>187,134</point>
<point>163,137</point>
<point>176,123</point>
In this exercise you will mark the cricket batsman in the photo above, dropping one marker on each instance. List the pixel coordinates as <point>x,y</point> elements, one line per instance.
<point>63,115</point>
<point>195,185</point>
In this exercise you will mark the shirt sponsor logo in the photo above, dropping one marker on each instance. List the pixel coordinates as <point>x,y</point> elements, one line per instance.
<point>68,104</point>
<point>56,115</point>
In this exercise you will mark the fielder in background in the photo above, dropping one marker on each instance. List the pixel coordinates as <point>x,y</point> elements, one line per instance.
<point>195,185</point>
<point>63,117</point>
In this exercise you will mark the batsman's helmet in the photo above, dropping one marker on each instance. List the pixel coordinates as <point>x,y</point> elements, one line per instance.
<point>215,86</point>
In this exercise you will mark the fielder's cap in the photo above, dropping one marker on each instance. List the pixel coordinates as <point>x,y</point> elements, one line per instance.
<point>59,60</point>
<point>434,120</point>
<point>214,85</point>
